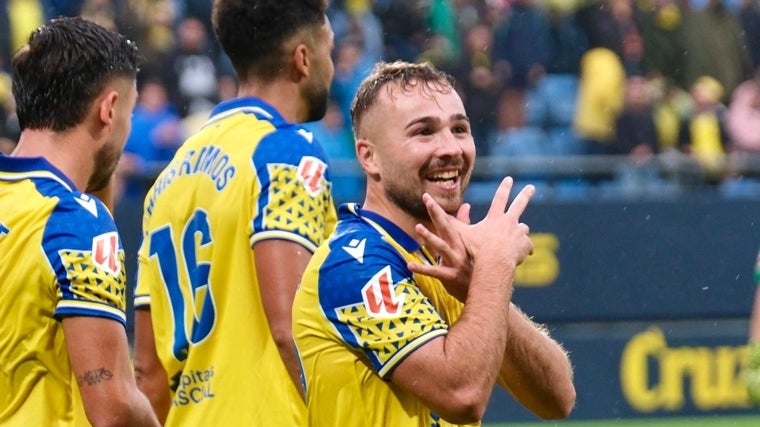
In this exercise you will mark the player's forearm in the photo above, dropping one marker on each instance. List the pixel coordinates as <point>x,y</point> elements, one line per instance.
<point>754,320</point>
<point>288,354</point>
<point>132,409</point>
<point>156,390</point>
<point>536,369</point>
<point>143,412</point>
<point>473,349</point>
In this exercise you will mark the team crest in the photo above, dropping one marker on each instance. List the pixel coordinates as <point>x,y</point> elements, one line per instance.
<point>379,295</point>
<point>311,171</point>
<point>105,252</point>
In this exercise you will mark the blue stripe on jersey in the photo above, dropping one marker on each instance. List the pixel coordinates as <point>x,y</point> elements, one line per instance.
<point>347,276</point>
<point>17,168</point>
<point>406,241</point>
<point>256,106</point>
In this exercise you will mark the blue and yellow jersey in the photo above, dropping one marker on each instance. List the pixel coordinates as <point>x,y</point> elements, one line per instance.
<point>358,313</point>
<point>60,255</point>
<point>246,176</point>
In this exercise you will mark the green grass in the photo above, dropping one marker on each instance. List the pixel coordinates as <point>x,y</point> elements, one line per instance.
<point>706,421</point>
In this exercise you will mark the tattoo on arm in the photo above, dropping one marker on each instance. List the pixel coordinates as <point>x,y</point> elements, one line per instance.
<point>95,376</point>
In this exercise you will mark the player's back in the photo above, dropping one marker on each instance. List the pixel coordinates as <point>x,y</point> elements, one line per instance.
<point>60,256</point>
<point>245,177</point>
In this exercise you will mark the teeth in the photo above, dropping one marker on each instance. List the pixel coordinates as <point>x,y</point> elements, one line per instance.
<point>445,175</point>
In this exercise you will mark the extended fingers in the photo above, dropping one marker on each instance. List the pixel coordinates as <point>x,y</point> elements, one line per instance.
<point>438,216</point>
<point>433,241</point>
<point>521,200</point>
<point>463,214</point>
<point>501,198</point>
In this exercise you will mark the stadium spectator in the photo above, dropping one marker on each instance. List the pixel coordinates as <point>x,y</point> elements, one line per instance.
<point>18,18</point>
<point>155,136</point>
<point>703,133</point>
<point>716,47</point>
<point>521,51</point>
<point>661,33</point>
<point>404,24</point>
<point>230,224</point>
<point>191,70</point>
<point>635,128</point>
<point>478,85</point>
<point>352,64</point>
<point>749,20</point>
<point>411,334</point>
<point>64,353</point>
<point>743,117</point>
<point>603,22</point>
<point>601,95</point>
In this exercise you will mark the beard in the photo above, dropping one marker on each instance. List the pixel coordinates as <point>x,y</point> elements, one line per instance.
<point>316,99</point>
<point>402,191</point>
<point>105,160</point>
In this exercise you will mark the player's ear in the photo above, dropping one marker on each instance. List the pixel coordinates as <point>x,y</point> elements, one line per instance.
<point>106,105</point>
<point>301,62</point>
<point>365,153</point>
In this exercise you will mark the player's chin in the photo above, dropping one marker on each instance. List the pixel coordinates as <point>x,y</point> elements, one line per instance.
<point>449,201</point>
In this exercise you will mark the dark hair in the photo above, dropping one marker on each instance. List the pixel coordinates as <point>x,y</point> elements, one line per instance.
<point>253,32</point>
<point>64,67</point>
<point>406,75</point>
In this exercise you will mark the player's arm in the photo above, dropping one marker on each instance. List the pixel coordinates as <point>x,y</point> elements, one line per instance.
<point>455,374</point>
<point>279,266</point>
<point>150,374</point>
<point>536,370</point>
<point>752,371</point>
<point>754,319</point>
<point>99,356</point>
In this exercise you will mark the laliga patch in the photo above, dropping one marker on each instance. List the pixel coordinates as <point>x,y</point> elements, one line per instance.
<point>379,295</point>
<point>105,252</point>
<point>311,171</point>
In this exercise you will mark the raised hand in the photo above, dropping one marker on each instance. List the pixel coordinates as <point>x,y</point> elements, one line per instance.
<point>454,267</point>
<point>499,238</point>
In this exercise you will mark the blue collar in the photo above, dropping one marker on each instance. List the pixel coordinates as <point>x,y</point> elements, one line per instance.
<point>256,106</point>
<point>400,236</point>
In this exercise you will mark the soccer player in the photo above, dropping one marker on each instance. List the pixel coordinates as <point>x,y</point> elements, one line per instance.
<point>230,224</point>
<point>404,317</point>
<point>64,354</point>
<point>752,371</point>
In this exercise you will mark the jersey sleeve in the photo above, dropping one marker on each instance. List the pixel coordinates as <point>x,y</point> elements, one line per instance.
<point>294,201</point>
<point>374,303</point>
<point>84,249</point>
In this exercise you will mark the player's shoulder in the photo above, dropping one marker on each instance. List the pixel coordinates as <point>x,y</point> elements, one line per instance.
<point>289,143</point>
<point>80,217</point>
<point>359,248</point>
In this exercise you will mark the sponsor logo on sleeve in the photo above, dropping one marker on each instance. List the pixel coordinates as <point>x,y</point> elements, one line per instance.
<point>105,252</point>
<point>380,297</point>
<point>311,171</point>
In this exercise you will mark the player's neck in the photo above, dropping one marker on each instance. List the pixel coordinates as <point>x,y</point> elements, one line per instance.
<point>282,95</point>
<point>392,212</point>
<point>64,150</point>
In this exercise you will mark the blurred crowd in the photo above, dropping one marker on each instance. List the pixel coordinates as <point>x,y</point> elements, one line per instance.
<point>657,82</point>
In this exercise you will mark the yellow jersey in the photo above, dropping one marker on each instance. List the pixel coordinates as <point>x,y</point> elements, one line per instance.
<point>246,176</point>
<point>358,312</point>
<point>60,255</point>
